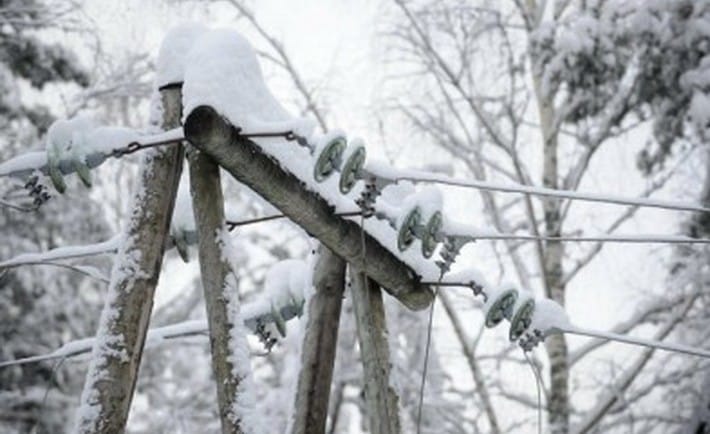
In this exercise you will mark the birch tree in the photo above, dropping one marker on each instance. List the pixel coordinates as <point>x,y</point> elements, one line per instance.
<point>530,92</point>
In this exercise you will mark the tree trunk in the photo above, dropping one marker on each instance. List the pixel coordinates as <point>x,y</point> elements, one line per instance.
<point>112,375</point>
<point>208,208</point>
<point>556,345</point>
<point>381,401</point>
<point>319,345</point>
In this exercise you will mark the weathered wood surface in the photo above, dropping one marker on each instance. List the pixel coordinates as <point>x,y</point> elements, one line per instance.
<point>243,159</point>
<point>319,345</point>
<point>111,380</point>
<point>208,209</point>
<point>381,401</point>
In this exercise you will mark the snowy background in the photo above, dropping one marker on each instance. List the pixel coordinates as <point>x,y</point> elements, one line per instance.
<point>369,70</point>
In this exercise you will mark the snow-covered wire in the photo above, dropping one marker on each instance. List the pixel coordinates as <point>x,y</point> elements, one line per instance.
<point>419,176</point>
<point>636,341</point>
<point>636,238</point>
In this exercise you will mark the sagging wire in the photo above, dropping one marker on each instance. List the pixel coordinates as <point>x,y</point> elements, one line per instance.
<point>52,377</point>
<point>426,354</point>
<point>233,224</point>
<point>425,177</point>
<point>538,385</point>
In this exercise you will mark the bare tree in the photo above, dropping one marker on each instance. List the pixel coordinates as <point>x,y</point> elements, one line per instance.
<point>483,70</point>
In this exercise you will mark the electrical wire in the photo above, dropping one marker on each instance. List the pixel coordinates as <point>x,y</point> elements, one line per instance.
<point>232,224</point>
<point>538,385</point>
<point>426,354</point>
<point>426,177</point>
<point>641,238</point>
<point>636,341</point>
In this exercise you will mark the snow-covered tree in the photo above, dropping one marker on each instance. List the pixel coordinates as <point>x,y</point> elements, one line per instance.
<point>45,306</point>
<point>533,91</point>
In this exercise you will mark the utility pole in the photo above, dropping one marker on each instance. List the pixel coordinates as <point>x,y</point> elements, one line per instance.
<point>111,380</point>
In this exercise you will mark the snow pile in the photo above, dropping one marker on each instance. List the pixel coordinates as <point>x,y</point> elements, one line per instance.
<point>287,282</point>
<point>223,72</point>
<point>172,57</point>
<point>243,409</point>
<point>183,230</point>
<point>80,136</point>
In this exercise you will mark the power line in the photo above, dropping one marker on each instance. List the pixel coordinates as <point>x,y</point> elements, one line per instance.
<point>419,176</point>
<point>636,341</point>
<point>640,238</point>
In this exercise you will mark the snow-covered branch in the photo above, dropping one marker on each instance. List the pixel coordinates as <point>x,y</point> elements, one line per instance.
<point>256,315</point>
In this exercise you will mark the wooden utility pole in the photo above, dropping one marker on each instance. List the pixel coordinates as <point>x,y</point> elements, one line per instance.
<point>208,208</point>
<point>111,380</point>
<point>319,345</point>
<point>381,401</point>
<point>244,159</point>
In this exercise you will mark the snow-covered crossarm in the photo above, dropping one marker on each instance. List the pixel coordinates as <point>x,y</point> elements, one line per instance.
<point>102,143</point>
<point>257,316</point>
<point>244,159</point>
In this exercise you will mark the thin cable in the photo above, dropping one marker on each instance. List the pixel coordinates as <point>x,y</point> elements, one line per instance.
<point>538,385</point>
<point>232,224</point>
<point>426,354</point>
<point>419,176</point>
<point>637,341</point>
<point>55,368</point>
<point>641,238</point>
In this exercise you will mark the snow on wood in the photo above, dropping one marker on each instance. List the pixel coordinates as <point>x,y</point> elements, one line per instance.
<point>230,353</point>
<point>207,130</point>
<point>172,57</point>
<point>123,326</point>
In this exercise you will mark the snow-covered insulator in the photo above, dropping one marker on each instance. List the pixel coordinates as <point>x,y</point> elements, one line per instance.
<point>278,320</point>
<point>522,315</point>
<point>499,305</point>
<point>407,227</point>
<point>422,219</point>
<point>548,318</point>
<point>430,234</point>
<point>353,162</point>
<point>328,152</point>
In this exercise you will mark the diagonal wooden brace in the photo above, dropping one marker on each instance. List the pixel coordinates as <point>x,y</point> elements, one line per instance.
<point>211,133</point>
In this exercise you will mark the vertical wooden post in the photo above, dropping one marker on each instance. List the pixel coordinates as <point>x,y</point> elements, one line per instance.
<point>319,345</point>
<point>381,400</point>
<point>112,375</point>
<point>208,208</point>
